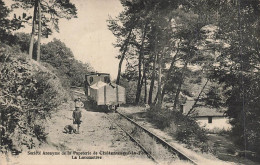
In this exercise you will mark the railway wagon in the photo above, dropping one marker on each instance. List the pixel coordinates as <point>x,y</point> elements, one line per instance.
<point>104,93</point>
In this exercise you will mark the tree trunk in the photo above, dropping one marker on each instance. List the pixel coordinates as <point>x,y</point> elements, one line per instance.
<point>140,61</point>
<point>169,72</point>
<point>122,57</point>
<point>145,86</point>
<point>197,99</point>
<point>33,30</point>
<point>145,80</point>
<point>159,93</point>
<point>139,85</point>
<point>39,31</point>
<point>138,92</point>
<point>152,81</point>
<point>176,100</point>
<point>156,98</point>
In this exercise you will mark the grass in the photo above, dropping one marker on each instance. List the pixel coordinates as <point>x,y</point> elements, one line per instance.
<point>182,128</point>
<point>225,149</point>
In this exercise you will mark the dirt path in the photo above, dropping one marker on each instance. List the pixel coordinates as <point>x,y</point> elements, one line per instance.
<point>99,142</point>
<point>97,134</point>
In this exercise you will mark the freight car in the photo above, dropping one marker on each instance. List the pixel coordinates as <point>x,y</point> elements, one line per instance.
<point>102,92</point>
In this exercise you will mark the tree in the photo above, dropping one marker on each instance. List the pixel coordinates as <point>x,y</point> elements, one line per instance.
<point>47,18</point>
<point>239,68</point>
<point>140,64</point>
<point>123,29</point>
<point>33,31</point>
<point>60,57</point>
<point>7,25</point>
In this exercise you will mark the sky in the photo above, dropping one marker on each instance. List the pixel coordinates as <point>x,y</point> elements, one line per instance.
<point>88,36</point>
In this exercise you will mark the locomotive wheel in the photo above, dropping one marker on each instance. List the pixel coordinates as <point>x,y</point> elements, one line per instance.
<point>111,108</point>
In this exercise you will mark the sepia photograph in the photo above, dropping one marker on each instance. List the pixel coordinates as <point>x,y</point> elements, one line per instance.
<point>130,82</point>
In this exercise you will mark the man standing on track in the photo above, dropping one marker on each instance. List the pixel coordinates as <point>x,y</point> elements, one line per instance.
<point>77,113</point>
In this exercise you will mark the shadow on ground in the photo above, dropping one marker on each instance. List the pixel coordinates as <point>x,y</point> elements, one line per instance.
<point>90,105</point>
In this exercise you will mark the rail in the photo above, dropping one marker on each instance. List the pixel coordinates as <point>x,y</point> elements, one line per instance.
<point>133,139</point>
<point>180,154</point>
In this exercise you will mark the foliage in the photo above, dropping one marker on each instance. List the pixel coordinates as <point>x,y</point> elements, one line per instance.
<point>61,58</point>
<point>181,127</point>
<point>9,24</point>
<point>215,96</point>
<point>218,38</point>
<point>17,39</point>
<point>130,87</point>
<point>154,35</point>
<point>51,11</point>
<point>238,69</point>
<point>29,93</point>
<point>46,15</point>
<point>55,56</point>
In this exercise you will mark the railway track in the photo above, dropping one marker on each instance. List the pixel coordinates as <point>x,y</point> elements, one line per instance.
<point>155,148</point>
<point>133,139</point>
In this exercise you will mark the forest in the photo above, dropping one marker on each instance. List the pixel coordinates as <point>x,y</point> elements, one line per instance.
<point>171,47</point>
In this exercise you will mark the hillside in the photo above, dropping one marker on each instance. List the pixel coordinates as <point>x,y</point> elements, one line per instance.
<point>29,93</point>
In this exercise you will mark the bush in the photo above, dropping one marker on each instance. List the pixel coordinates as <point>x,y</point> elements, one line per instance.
<point>160,117</point>
<point>183,128</point>
<point>39,132</point>
<point>28,93</point>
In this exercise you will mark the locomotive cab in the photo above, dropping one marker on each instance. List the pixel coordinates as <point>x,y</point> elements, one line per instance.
<point>93,78</point>
<point>102,92</point>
